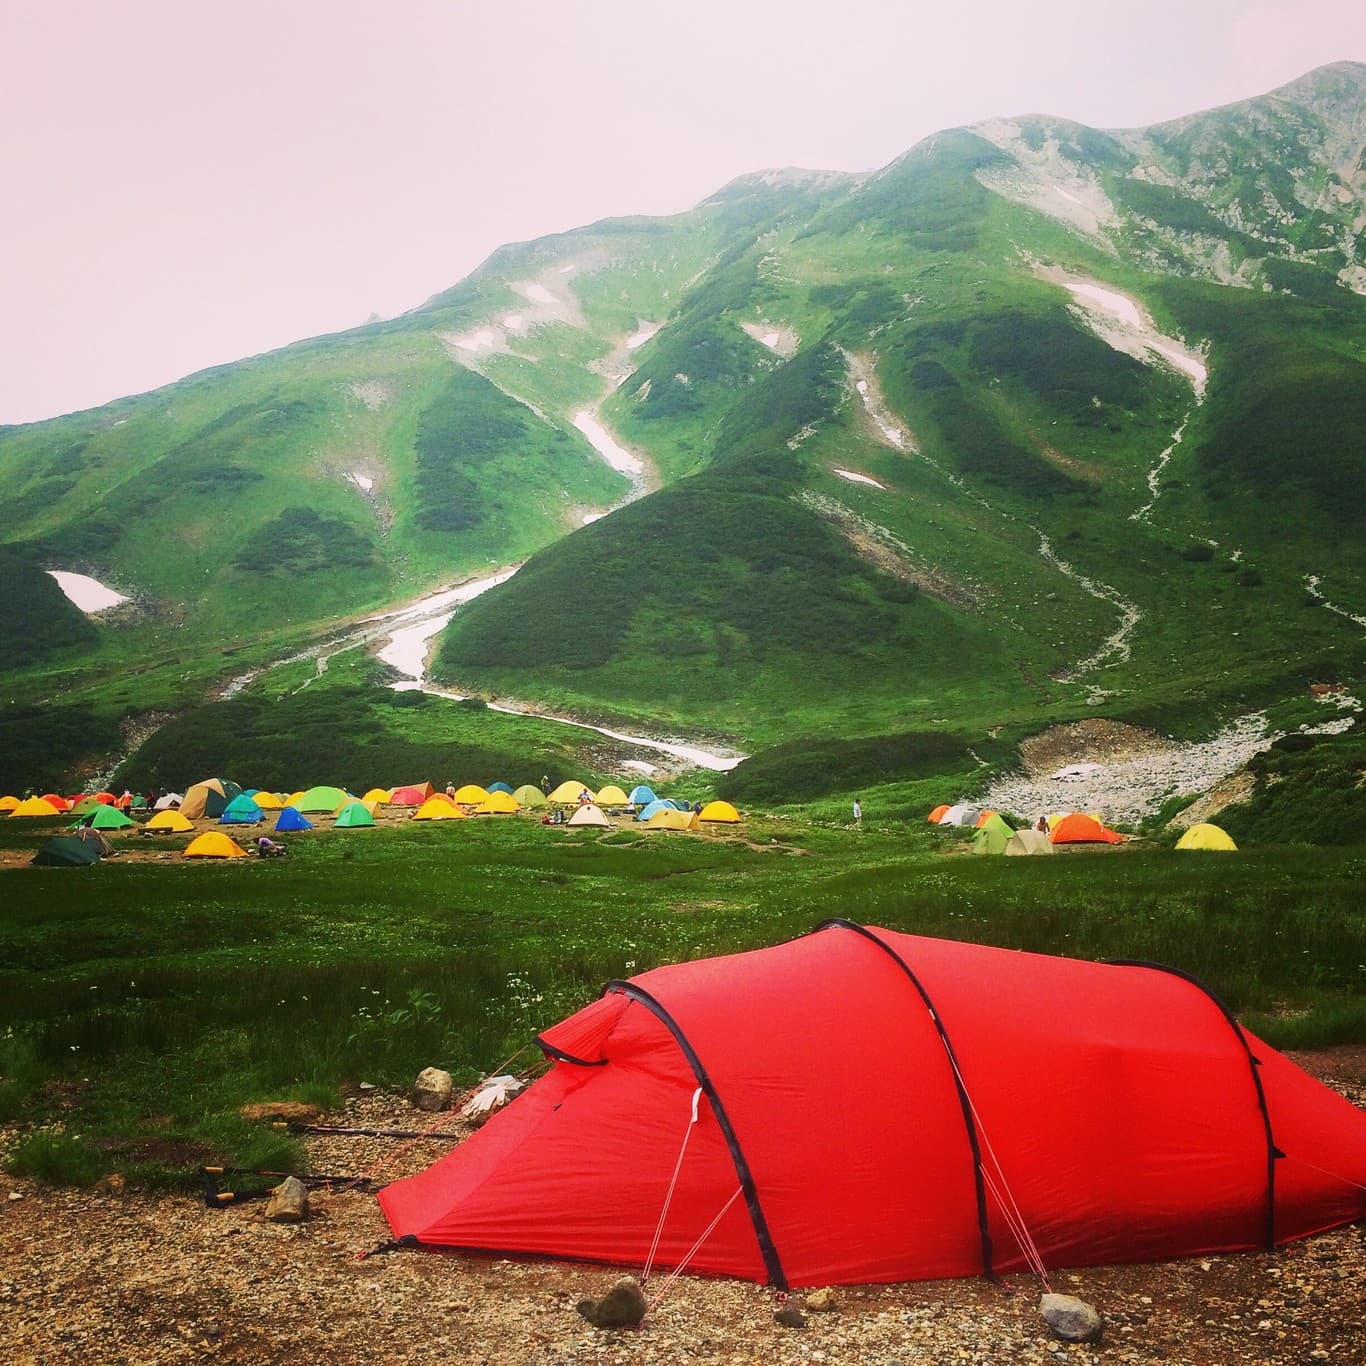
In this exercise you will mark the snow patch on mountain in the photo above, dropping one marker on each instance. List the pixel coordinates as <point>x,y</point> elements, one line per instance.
<point>90,595</point>
<point>855,478</point>
<point>782,341</point>
<point>1123,323</point>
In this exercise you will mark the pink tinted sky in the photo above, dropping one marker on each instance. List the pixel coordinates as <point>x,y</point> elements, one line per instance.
<point>184,184</point>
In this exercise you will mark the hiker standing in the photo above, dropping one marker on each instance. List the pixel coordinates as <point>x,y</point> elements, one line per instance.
<point>545,784</point>
<point>858,812</point>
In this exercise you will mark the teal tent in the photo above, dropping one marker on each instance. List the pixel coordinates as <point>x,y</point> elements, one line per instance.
<point>499,787</point>
<point>240,811</point>
<point>641,796</point>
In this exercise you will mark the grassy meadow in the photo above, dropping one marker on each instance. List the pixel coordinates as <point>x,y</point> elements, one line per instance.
<point>145,1001</point>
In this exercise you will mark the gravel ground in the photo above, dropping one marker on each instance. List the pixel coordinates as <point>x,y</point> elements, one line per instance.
<point>95,1277</point>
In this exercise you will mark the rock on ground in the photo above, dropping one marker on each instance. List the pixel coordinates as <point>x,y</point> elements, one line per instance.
<point>432,1089</point>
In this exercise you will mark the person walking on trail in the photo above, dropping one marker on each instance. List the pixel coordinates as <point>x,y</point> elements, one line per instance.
<point>858,812</point>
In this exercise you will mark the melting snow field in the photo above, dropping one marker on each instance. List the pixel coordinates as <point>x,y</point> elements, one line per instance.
<point>538,294</point>
<point>90,595</point>
<point>1120,322</point>
<point>607,445</point>
<point>361,481</point>
<point>856,478</point>
<point>782,341</point>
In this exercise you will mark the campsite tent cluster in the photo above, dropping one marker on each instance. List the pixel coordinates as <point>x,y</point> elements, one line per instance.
<point>995,833</point>
<point>224,802</point>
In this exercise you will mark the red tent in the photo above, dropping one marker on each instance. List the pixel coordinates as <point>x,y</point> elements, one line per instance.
<point>60,802</point>
<point>413,795</point>
<point>868,1102</point>
<point>1079,828</point>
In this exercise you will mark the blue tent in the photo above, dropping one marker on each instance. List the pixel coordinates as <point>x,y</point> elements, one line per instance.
<point>290,819</point>
<point>650,808</point>
<point>675,806</point>
<point>240,811</point>
<point>641,796</point>
<point>499,787</point>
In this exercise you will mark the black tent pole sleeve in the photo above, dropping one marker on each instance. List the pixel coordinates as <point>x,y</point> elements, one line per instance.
<point>772,1262</point>
<point>979,1184</point>
<point>1272,1152</point>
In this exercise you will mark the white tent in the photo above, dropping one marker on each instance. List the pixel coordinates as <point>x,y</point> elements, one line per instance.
<point>588,814</point>
<point>961,815</point>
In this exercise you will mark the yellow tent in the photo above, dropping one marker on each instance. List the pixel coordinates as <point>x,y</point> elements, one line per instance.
<point>672,820</point>
<point>267,801</point>
<point>612,796</point>
<point>1206,837</point>
<point>170,820</point>
<point>379,795</point>
<point>35,806</point>
<point>214,844</point>
<point>567,794</point>
<point>8,803</point>
<point>470,795</point>
<point>719,811</point>
<point>497,804</point>
<point>438,809</point>
<point>295,798</point>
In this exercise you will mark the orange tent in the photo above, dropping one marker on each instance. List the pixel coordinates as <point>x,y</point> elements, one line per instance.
<point>983,819</point>
<point>1080,829</point>
<point>60,803</point>
<point>938,813</point>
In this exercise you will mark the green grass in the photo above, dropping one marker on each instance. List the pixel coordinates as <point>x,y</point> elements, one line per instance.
<point>158,997</point>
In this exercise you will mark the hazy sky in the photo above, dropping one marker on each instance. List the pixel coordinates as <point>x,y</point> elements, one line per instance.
<point>183,184</point>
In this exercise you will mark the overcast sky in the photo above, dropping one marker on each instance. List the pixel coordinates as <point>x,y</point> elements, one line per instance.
<point>184,184</point>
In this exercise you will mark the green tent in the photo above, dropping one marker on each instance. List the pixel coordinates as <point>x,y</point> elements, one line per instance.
<point>353,816</point>
<point>108,818</point>
<point>529,796</point>
<point>992,836</point>
<point>328,799</point>
<point>86,805</point>
<point>65,851</point>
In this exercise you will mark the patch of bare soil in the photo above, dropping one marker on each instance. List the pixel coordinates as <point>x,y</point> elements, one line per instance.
<point>89,1277</point>
<point>1093,741</point>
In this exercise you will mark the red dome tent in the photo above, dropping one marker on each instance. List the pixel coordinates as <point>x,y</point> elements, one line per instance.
<point>867,1103</point>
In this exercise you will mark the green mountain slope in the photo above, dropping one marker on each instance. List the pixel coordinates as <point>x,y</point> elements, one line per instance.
<point>1039,420</point>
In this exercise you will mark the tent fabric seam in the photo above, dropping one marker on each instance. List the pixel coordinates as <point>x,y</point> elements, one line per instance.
<point>979,1183</point>
<point>767,1249</point>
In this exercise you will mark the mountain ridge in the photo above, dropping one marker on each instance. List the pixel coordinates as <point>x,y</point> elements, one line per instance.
<point>968,383</point>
